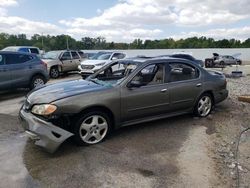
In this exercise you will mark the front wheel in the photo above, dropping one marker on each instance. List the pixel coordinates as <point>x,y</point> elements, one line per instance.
<point>204,105</point>
<point>54,72</point>
<point>92,128</point>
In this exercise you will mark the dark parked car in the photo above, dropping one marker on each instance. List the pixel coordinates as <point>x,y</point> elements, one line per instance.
<point>189,57</point>
<point>134,91</point>
<point>26,49</point>
<point>21,70</point>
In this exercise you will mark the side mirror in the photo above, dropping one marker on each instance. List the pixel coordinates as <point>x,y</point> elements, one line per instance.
<point>62,59</point>
<point>114,58</point>
<point>134,84</point>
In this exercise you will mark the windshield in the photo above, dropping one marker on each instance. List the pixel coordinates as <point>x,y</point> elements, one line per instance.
<point>114,73</point>
<point>10,49</point>
<point>51,55</point>
<point>101,56</point>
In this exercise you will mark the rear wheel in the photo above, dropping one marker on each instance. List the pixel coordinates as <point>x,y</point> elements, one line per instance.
<point>204,105</point>
<point>37,81</point>
<point>92,128</point>
<point>54,72</point>
<point>222,63</point>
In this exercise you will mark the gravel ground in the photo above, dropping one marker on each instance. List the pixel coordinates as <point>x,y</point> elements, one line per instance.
<point>233,119</point>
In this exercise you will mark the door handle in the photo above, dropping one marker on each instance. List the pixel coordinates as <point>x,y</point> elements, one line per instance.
<point>164,90</point>
<point>198,85</point>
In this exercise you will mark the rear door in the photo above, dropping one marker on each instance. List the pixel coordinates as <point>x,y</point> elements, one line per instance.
<point>149,99</point>
<point>20,67</point>
<point>184,84</point>
<point>67,62</point>
<point>5,79</point>
<point>76,59</point>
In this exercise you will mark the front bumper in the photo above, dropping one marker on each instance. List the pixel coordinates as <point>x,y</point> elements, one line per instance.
<point>45,134</point>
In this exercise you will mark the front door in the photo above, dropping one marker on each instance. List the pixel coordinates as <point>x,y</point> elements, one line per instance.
<point>76,59</point>
<point>67,62</point>
<point>146,94</point>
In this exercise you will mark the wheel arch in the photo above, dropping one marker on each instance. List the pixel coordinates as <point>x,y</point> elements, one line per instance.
<point>99,108</point>
<point>210,92</point>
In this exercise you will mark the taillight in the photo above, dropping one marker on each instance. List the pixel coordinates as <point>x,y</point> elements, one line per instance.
<point>44,64</point>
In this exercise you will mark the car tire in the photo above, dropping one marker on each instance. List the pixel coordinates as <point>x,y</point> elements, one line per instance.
<point>54,72</point>
<point>222,63</point>
<point>204,105</point>
<point>92,128</point>
<point>37,81</point>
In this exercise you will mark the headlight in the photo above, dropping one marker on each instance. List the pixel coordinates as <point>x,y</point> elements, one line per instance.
<point>100,64</point>
<point>44,109</point>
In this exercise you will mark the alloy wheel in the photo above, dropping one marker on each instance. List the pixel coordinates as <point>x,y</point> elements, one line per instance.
<point>54,73</point>
<point>38,82</point>
<point>204,106</point>
<point>93,129</point>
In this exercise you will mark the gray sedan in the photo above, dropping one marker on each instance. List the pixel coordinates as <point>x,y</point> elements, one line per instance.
<point>122,93</point>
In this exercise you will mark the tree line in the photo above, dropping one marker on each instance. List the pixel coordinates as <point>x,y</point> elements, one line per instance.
<point>61,42</point>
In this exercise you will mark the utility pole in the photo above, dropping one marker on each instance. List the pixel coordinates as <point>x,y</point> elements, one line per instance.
<point>67,40</point>
<point>42,41</point>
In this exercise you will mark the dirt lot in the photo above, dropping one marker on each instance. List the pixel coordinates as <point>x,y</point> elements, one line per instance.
<point>177,152</point>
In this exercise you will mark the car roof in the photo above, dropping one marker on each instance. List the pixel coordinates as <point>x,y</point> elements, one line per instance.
<point>21,47</point>
<point>13,52</point>
<point>147,59</point>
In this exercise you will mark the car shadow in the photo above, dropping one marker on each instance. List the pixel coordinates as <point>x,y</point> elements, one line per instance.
<point>12,94</point>
<point>148,149</point>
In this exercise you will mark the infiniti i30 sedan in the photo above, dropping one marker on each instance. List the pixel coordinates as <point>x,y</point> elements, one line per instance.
<point>134,91</point>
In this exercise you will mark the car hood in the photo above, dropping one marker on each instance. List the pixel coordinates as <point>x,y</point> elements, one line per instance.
<point>49,60</point>
<point>93,62</point>
<point>53,92</point>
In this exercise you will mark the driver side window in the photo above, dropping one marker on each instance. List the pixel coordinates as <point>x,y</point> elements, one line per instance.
<point>66,56</point>
<point>150,75</point>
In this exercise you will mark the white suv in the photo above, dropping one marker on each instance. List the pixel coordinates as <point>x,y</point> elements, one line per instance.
<point>99,60</point>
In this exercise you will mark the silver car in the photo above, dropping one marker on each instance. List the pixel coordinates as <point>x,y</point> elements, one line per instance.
<point>62,61</point>
<point>226,60</point>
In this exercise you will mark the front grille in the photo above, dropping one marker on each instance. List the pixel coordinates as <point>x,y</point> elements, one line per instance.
<point>87,66</point>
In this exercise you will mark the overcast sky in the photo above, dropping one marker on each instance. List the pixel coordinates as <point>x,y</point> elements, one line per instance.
<point>125,20</point>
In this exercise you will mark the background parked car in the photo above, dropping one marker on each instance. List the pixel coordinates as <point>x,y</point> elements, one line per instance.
<point>27,49</point>
<point>19,70</point>
<point>62,61</point>
<point>222,60</point>
<point>89,55</point>
<point>188,57</point>
<point>99,60</point>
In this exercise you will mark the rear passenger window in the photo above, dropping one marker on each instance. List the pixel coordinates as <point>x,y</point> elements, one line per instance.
<point>34,50</point>
<point>75,55</point>
<point>181,72</point>
<point>81,54</point>
<point>17,58</point>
